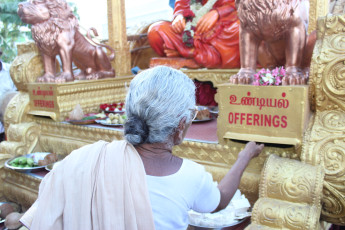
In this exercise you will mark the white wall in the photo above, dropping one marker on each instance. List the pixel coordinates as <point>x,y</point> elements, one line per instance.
<point>138,13</point>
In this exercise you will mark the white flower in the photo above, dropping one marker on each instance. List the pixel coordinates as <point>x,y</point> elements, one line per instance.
<point>199,11</point>
<point>268,78</point>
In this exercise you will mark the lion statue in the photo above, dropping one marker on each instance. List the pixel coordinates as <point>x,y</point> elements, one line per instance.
<point>55,31</point>
<point>274,33</point>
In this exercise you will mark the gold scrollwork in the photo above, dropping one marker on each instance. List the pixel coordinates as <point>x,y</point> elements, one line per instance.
<point>328,68</point>
<point>16,110</point>
<point>333,210</point>
<point>331,152</point>
<point>292,180</point>
<point>22,139</point>
<point>285,215</point>
<point>290,195</point>
<point>27,66</point>
<point>325,146</point>
<point>20,188</point>
<point>333,120</point>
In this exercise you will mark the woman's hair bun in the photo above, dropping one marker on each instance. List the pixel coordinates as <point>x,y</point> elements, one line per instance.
<point>136,130</point>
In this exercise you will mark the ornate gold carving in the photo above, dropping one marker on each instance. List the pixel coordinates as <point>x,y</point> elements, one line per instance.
<point>327,69</point>
<point>216,76</point>
<point>324,141</point>
<point>89,94</point>
<point>278,214</point>
<point>21,139</point>
<point>16,110</point>
<point>290,195</point>
<point>292,181</point>
<point>324,145</point>
<point>318,8</point>
<point>22,136</point>
<point>20,188</point>
<point>27,66</point>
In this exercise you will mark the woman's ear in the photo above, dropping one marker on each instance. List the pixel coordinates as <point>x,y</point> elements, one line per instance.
<point>180,131</point>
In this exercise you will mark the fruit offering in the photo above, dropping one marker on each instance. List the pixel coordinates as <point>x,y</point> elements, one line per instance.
<point>96,116</point>
<point>23,162</point>
<point>33,160</point>
<point>116,119</point>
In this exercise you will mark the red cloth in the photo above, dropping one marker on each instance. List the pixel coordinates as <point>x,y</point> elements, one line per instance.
<point>217,48</point>
<point>205,93</point>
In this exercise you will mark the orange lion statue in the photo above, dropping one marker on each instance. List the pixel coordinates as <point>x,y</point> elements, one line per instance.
<point>55,31</point>
<point>274,33</point>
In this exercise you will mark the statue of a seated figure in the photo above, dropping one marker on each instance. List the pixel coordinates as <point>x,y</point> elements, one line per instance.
<point>204,33</point>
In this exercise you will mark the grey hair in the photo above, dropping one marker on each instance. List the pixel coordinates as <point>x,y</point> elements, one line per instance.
<point>157,100</point>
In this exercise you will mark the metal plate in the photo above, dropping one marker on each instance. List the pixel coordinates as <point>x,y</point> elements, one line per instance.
<point>51,166</point>
<point>236,222</point>
<point>103,122</point>
<point>36,156</point>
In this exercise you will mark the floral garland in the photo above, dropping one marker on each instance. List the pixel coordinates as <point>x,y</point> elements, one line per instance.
<point>193,15</point>
<point>267,77</point>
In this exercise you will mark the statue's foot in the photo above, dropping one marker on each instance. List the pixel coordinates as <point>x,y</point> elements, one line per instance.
<point>171,53</point>
<point>101,74</point>
<point>294,76</point>
<point>244,77</point>
<point>94,76</point>
<point>47,77</point>
<point>64,77</point>
<point>185,52</point>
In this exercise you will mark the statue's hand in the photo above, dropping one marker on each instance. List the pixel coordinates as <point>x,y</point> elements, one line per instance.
<point>179,24</point>
<point>207,22</point>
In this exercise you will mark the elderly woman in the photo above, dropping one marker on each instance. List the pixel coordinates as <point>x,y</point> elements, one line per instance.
<point>137,183</point>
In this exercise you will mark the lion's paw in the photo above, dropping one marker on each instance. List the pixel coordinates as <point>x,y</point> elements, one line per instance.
<point>294,77</point>
<point>94,76</point>
<point>64,77</point>
<point>244,77</point>
<point>47,77</point>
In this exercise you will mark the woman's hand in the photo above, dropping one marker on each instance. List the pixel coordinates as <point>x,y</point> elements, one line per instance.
<point>229,184</point>
<point>178,24</point>
<point>207,22</point>
<point>251,150</point>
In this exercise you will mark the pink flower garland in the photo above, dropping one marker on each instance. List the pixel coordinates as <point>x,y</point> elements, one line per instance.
<point>269,77</point>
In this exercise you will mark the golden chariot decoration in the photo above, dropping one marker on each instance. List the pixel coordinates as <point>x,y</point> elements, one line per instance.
<point>310,149</point>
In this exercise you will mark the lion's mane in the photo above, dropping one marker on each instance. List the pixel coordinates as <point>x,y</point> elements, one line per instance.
<point>258,14</point>
<point>61,18</point>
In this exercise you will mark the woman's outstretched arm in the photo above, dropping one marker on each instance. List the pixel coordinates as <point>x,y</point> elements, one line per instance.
<point>229,184</point>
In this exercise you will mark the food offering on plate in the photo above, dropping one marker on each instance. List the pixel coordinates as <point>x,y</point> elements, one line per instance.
<point>31,161</point>
<point>203,114</point>
<point>113,108</point>
<point>77,113</point>
<point>114,119</point>
<point>88,119</point>
<point>233,214</point>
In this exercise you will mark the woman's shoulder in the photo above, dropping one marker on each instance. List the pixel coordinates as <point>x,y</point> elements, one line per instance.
<point>193,167</point>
